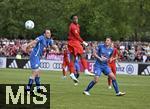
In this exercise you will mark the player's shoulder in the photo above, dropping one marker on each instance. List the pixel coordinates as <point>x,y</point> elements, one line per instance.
<point>115,50</point>
<point>72,25</point>
<point>51,41</point>
<point>101,45</point>
<point>40,37</point>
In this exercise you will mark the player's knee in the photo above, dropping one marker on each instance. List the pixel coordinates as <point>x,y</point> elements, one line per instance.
<point>96,80</point>
<point>112,76</point>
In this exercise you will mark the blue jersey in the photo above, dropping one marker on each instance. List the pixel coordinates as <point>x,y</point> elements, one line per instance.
<point>42,42</point>
<point>37,51</point>
<point>104,51</point>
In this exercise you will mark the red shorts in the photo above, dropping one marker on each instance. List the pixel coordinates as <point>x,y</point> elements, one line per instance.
<point>75,47</point>
<point>113,67</point>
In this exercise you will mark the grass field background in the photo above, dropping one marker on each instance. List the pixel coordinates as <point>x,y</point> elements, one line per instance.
<point>64,95</point>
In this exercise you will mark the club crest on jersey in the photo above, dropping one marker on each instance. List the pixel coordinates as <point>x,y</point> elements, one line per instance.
<point>109,52</point>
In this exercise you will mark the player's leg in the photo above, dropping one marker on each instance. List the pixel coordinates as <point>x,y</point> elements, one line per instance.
<point>77,69</point>
<point>72,69</point>
<point>113,69</point>
<point>31,80</point>
<point>97,72</point>
<point>35,63</point>
<point>37,81</point>
<point>108,72</point>
<point>37,72</point>
<point>64,69</point>
<point>90,86</point>
<point>109,79</point>
<point>84,64</point>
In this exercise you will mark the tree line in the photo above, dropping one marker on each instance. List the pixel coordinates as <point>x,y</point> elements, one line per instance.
<point>122,19</point>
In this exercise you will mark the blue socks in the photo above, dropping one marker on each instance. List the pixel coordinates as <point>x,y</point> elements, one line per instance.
<point>91,84</point>
<point>114,82</point>
<point>115,85</point>
<point>76,75</point>
<point>30,83</point>
<point>37,81</point>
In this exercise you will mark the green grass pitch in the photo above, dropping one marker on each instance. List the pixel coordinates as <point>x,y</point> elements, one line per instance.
<point>64,95</point>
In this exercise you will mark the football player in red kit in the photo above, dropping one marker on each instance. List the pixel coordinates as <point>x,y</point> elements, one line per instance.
<point>65,64</point>
<point>112,64</point>
<point>75,47</point>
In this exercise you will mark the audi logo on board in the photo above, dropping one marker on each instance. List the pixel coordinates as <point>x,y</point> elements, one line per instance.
<point>44,65</point>
<point>57,65</point>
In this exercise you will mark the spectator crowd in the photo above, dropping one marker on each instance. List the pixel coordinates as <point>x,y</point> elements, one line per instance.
<point>128,51</point>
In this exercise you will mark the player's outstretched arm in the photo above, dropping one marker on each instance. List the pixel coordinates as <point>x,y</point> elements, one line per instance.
<point>30,45</point>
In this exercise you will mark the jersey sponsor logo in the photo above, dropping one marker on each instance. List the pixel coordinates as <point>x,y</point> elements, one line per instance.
<point>44,65</point>
<point>109,52</point>
<point>129,69</point>
<point>57,65</point>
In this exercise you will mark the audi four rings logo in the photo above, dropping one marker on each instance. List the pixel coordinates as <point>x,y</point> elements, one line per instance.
<point>57,66</point>
<point>44,65</point>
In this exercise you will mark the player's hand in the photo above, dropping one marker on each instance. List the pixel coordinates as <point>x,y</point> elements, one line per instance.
<point>102,58</point>
<point>26,49</point>
<point>84,43</point>
<point>111,59</point>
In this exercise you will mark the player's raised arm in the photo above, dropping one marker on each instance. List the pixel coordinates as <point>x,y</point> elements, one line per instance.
<point>27,48</point>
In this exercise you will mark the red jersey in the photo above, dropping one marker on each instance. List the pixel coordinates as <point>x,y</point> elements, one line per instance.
<point>114,55</point>
<point>74,33</point>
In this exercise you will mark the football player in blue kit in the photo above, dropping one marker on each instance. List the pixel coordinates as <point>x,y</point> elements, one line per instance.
<point>102,55</point>
<point>37,46</point>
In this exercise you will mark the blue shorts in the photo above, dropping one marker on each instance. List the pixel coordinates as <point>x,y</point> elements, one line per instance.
<point>77,66</point>
<point>35,62</point>
<point>98,69</point>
